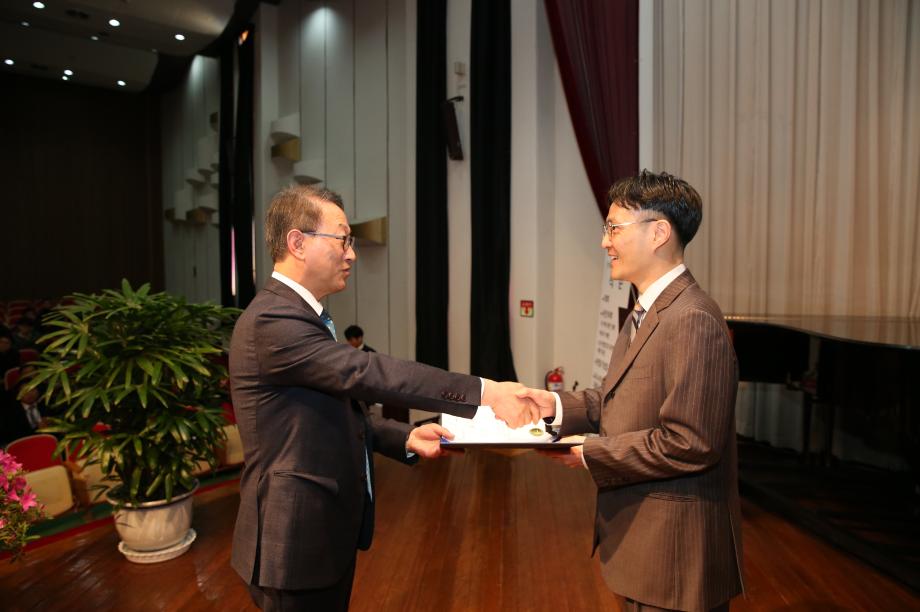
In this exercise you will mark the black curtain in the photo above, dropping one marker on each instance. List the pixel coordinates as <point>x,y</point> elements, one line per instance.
<point>225,185</point>
<point>242,171</point>
<point>490,170</point>
<point>431,283</point>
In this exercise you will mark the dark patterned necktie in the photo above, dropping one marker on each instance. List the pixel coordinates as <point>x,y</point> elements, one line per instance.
<point>635,319</point>
<point>327,321</point>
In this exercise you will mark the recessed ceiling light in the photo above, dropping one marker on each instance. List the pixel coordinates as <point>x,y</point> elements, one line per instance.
<point>94,37</point>
<point>68,71</point>
<point>25,24</point>
<point>121,83</point>
<point>114,23</point>
<point>38,5</point>
<point>180,36</point>
<point>8,62</point>
<point>65,77</point>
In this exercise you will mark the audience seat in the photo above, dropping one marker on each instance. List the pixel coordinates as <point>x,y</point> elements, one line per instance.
<point>51,486</point>
<point>232,451</point>
<point>34,452</point>
<point>27,355</point>
<point>86,477</point>
<point>10,378</point>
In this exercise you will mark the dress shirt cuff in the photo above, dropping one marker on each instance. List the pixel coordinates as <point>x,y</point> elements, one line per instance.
<point>556,423</point>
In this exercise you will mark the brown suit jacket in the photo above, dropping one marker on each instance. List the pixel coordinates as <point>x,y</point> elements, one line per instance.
<point>668,514</point>
<point>304,506</point>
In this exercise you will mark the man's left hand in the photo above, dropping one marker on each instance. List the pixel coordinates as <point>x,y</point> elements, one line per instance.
<point>572,458</point>
<point>425,441</point>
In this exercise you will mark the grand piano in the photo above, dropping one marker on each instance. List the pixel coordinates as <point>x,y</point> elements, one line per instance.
<point>858,377</point>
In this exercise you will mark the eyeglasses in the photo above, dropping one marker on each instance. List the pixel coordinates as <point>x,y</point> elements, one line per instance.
<point>348,241</point>
<point>614,228</point>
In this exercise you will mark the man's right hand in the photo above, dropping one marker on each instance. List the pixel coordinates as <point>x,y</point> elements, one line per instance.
<point>508,404</point>
<point>544,400</point>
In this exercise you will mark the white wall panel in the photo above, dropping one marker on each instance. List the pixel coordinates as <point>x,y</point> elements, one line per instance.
<point>313,85</point>
<point>458,193</point>
<point>401,177</point>
<point>370,120</point>
<point>340,133</point>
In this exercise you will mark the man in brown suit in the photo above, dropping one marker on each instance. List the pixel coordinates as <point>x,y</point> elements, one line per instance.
<point>668,521</point>
<point>306,491</point>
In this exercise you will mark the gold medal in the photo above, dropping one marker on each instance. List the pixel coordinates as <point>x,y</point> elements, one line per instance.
<point>536,431</point>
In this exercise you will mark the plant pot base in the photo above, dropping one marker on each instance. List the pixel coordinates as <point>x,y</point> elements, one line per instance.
<point>156,556</point>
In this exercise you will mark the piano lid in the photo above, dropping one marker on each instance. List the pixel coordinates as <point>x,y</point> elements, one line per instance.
<point>895,332</point>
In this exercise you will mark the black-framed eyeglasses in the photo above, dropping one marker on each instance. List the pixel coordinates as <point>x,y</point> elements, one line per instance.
<point>613,228</point>
<point>348,241</point>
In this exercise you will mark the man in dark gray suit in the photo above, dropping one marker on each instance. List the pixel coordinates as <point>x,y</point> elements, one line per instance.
<point>306,491</point>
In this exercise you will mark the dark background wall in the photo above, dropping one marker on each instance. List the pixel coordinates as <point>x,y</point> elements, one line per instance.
<point>80,204</point>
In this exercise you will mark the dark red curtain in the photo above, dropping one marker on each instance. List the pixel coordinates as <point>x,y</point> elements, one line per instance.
<point>597,49</point>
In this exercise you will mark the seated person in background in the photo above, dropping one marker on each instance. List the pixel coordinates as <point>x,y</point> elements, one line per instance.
<point>20,417</point>
<point>355,337</point>
<point>9,356</point>
<point>25,333</point>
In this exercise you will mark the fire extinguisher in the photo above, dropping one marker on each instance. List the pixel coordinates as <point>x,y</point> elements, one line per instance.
<point>553,380</point>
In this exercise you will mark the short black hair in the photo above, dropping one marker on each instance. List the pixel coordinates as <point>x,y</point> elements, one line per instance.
<point>353,331</point>
<point>663,193</point>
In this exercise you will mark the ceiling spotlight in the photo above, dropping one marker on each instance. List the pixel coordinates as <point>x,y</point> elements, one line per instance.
<point>38,5</point>
<point>65,77</point>
<point>25,24</point>
<point>121,83</point>
<point>68,72</point>
<point>180,36</point>
<point>94,37</point>
<point>8,62</point>
<point>114,23</point>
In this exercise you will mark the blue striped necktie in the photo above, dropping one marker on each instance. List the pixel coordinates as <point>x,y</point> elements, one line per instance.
<point>327,321</point>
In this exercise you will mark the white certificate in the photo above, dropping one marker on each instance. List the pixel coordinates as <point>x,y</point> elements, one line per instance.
<point>486,430</point>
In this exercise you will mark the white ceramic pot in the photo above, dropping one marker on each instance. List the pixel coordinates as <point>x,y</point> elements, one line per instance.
<point>155,525</point>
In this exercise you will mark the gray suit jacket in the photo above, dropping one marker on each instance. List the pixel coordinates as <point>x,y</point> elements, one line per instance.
<point>304,507</point>
<point>668,514</point>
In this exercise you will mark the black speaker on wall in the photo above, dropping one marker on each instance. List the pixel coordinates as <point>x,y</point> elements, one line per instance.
<point>451,129</point>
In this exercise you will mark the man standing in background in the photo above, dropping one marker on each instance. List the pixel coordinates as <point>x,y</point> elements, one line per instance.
<point>354,335</point>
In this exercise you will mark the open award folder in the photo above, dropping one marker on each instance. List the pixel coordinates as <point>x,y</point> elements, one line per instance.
<point>485,431</point>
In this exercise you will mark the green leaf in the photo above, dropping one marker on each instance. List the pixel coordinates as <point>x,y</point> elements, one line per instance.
<point>129,368</point>
<point>154,485</point>
<point>135,481</point>
<point>126,288</point>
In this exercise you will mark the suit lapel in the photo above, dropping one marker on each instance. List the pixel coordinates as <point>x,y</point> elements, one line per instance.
<point>625,353</point>
<point>619,351</point>
<point>283,291</point>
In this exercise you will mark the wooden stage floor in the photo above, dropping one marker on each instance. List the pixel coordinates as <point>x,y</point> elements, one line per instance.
<point>480,531</point>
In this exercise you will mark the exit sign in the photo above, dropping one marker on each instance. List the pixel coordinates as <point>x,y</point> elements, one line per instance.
<point>527,308</point>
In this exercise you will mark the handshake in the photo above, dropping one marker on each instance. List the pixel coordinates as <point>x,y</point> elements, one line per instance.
<point>511,402</point>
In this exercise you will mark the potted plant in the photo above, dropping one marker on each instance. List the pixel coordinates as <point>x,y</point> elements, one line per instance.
<point>138,384</point>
